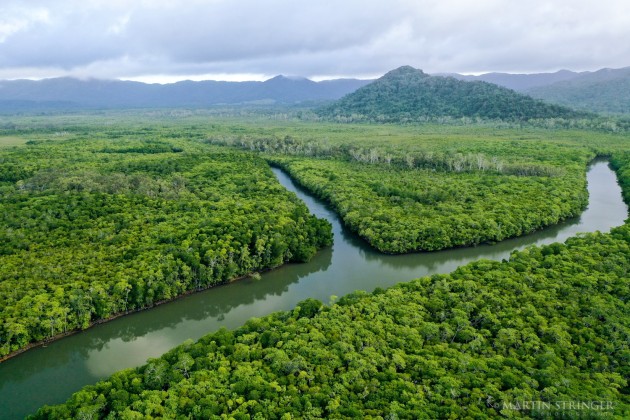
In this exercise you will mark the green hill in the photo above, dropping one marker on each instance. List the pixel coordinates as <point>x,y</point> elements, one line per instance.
<point>605,91</point>
<point>408,94</point>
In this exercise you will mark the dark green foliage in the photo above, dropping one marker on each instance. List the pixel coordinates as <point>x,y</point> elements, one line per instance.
<point>147,147</point>
<point>309,308</point>
<point>621,164</point>
<point>412,190</point>
<point>399,210</point>
<point>89,229</point>
<point>550,325</point>
<point>407,94</point>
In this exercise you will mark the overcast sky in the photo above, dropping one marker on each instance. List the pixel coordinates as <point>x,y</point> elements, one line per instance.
<point>163,41</point>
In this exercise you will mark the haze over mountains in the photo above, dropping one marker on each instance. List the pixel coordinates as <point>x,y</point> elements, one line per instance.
<point>75,93</point>
<point>518,82</point>
<point>604,91</point>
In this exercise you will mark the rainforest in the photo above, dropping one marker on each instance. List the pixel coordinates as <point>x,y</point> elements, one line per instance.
<point>94,228</point>
<point>314,210</point>
<point>102,220</point>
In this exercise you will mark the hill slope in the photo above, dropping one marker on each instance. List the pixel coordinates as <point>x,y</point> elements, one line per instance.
<point>520,82</point>
<point>606,91</point>
<point>75,93</point>
<point>408,94</point>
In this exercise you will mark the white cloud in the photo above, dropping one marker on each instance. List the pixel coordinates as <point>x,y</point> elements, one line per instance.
<point>14,20</point>
<point>170,40</point>
<point>118,27</point>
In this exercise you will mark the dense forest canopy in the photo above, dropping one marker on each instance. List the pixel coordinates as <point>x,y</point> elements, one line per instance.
<point>153,206</point>
<point>399,210</point>
<point>407,94</point>
<point>432,193</point>
<point>549,325</point>
<point>92,228</point>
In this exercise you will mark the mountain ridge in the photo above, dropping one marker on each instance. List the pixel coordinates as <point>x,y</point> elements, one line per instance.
<point>603,91</point>
<point>519,82</point>
<point>100,93</point>
<point>606,90</point>
<point>408,94</point>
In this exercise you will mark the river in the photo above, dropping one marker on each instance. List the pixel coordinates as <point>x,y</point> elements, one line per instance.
<point>49,375</point>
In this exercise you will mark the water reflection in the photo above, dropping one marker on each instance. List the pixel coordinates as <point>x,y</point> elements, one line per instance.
<point>49,375</point>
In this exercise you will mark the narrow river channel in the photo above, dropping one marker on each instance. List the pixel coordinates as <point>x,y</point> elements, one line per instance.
<point>49,375</point>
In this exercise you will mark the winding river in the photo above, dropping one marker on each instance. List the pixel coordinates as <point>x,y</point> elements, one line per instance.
<point>49,375</point>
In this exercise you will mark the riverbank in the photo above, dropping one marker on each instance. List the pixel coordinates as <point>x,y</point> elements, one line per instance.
<point>44,343</point>
<point>398,211</point>
<point>279,166</point>
<point>81,359</point>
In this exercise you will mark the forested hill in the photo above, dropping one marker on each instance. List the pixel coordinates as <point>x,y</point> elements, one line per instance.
<point>606,91</point>
<point>520,82</point>
<point>408,94</point>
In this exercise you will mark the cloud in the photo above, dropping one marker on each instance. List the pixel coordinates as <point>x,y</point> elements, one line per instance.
<point>116,38</point>
<point>15,20</point>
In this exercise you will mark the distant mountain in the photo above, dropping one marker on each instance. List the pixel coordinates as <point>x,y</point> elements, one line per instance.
<point>604,91</point>
<point>18,106</point>
<point>75,93</point>
<point>520,82</point>
<point>408,94</point>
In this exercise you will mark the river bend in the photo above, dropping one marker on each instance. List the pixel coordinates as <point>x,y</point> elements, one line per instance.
<point>49,375</point>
